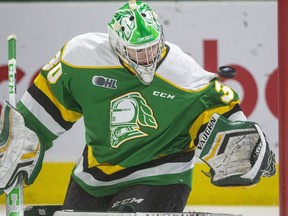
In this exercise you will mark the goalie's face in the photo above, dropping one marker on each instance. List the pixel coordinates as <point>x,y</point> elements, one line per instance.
<point>144,56</point>
<point>137,38</point>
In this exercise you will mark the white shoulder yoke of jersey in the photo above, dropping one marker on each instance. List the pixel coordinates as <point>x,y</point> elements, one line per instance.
<point>183,71</point>
<point>90,50</point>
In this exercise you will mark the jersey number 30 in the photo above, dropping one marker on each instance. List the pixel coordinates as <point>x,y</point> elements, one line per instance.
<point>54,68</point>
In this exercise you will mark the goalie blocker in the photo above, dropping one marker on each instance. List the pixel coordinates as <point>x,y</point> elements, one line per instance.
<point>20,150</point>
<point>236,152</point>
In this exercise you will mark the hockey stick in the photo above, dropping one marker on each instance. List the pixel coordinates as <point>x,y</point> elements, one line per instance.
<point>55,210</point>
<point>69,213</point>
<point>14,199</point>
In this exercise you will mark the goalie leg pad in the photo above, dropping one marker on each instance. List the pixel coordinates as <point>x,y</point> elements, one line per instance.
<point>237,152</point>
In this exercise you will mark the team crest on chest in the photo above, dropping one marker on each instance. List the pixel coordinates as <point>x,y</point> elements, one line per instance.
<point>127,114</point>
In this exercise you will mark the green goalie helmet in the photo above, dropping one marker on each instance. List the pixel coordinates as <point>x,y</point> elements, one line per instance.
<point>137,38</point>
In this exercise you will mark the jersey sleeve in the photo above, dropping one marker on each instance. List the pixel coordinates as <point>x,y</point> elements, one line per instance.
<point>221,99</point>
<point>48,106</point>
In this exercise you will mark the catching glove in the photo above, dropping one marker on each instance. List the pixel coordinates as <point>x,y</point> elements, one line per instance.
<point>237,152</point>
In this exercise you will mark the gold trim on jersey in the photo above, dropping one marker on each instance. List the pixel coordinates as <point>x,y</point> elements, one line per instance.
<point>181,88</point>
<point>105,167</point>
<point>204,118</point>
<point>68,115</point>
<point>129,67</point>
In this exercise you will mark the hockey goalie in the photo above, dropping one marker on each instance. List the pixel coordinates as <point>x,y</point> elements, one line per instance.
<point>148,108</point>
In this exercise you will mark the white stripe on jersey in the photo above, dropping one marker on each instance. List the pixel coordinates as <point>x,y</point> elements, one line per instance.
<point>40,113</point>
<point>163,169</point>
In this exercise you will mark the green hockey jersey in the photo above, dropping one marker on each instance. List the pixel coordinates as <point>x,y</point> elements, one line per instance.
<point>135,133</point>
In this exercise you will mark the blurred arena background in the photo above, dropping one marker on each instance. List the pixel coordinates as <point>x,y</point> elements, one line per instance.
<point>238,33</point>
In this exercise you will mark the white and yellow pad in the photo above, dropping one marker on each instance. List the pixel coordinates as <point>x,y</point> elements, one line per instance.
<point>19,149</point>
<point>237,152</point>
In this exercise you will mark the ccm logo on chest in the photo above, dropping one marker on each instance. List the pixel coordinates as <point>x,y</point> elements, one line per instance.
<point>163,95</point>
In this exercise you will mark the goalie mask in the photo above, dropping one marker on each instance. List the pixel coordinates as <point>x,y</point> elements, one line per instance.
<point>137,38</point>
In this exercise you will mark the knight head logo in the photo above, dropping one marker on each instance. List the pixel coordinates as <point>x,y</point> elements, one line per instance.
<point>127,114</point>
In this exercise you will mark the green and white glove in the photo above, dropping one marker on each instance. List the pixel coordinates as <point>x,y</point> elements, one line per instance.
<point>20,150</point>
<point>237,152</point>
